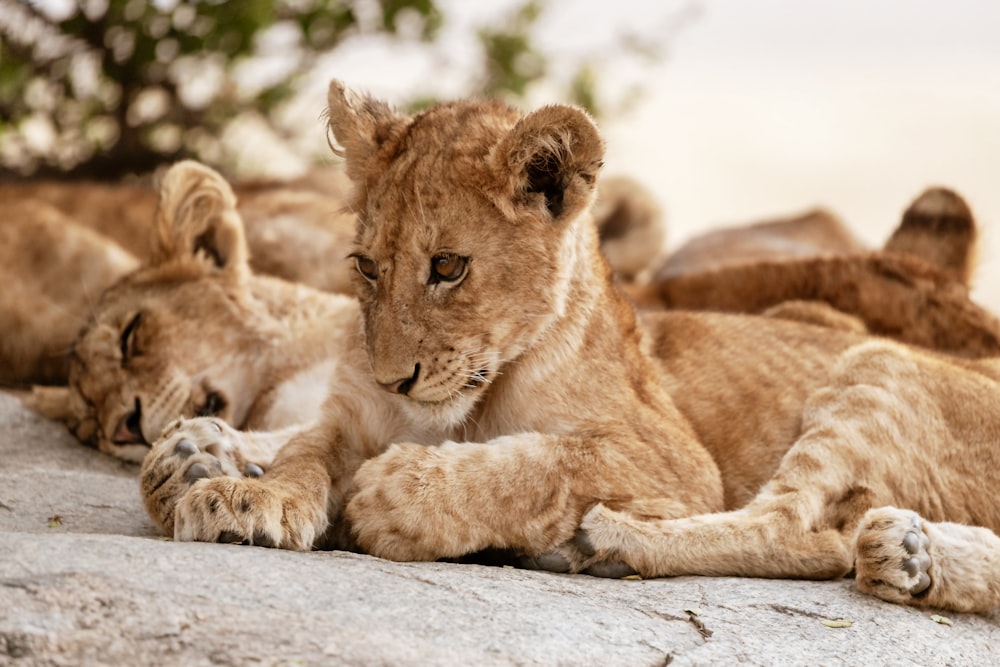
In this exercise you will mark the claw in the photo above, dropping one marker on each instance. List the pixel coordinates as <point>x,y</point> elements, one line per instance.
<point>229,537</point>
<point>583,543</point>
<point>552,561</point>
<point>923,583</point>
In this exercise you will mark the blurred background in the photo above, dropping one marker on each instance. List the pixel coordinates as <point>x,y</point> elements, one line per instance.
<point>730,111</point>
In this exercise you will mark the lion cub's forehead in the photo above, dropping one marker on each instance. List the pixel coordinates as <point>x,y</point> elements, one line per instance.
<point>430,192</point>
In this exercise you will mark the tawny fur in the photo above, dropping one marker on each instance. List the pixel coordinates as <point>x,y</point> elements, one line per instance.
<point>520,404</point>
<point>813,233</point>
<point>893,295</point>
<point>630,225</point>
<point>64,243</point>
<point>52,271</point>
<point>64,237</point>
<point>915,289</point>
<point>197,295</point>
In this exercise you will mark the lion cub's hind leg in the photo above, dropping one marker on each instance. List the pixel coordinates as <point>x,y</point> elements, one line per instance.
<point>188,451</point>
<point>902,558</point>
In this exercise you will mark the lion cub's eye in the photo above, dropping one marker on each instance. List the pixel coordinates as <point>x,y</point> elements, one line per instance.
<point>214,404</point>
<point>447,267</point>
<point>366,266</point>
<point>128,338</point>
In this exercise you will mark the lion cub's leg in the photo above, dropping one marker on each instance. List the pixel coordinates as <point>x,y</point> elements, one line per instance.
<point>201,481</point>
<point>902,558</point>
<point>194,449</point>
<point>854,434</point>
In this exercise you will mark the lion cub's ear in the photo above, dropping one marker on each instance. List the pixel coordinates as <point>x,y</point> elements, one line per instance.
<point>939,228</point>
<point>549,162</point>
<point>196,220</point>
<point>361,125</point>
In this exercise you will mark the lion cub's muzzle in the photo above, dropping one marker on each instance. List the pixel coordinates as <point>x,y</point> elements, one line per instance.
<point>402,386</point>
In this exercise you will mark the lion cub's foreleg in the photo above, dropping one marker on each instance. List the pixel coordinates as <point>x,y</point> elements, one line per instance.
<point>422,503</point>
<point>902,558</point>
<point>198,483</point>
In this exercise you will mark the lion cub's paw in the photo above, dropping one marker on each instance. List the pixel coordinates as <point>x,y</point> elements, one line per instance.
<point>892,555</point>
<point>563,559</point>
<point>576,556</point>
<point>188,451</point>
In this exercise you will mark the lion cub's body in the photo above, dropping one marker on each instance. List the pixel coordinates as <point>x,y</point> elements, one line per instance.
<point>502,391</point>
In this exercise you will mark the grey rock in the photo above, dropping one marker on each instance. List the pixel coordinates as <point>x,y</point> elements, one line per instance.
<point>100,587</point>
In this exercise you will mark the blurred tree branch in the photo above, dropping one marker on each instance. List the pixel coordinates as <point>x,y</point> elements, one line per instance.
<point>104,88</point>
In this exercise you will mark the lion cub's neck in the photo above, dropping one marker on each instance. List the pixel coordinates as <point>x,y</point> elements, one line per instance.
<point>589,346</point>
<point>301,353</point>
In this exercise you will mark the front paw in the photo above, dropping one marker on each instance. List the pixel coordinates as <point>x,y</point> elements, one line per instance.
<point>892,555</point>
<point>189,450</point>
<point>397,511</point>
<point>240,511</point>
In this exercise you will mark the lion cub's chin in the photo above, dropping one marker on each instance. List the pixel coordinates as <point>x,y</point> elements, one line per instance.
<point>445,413</point>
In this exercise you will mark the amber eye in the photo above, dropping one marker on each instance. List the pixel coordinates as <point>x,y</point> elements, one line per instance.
<point>447,267</point>
<point>366,266</point>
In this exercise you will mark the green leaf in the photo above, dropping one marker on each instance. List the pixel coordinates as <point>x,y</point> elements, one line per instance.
<point>943,620</point>
<point>837,623</point>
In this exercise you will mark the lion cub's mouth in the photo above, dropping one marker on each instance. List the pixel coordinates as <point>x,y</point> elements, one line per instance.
<point>458,388</point>
<point>129,428</point>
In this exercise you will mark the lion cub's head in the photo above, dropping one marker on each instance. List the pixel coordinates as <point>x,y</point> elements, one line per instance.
<point>472,219</point>
<point>175,338</point>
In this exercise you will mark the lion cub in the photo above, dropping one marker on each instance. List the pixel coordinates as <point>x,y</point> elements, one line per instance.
<point>500,392</point>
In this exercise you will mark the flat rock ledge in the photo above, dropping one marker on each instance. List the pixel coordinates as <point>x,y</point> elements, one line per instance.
<point>85,580</point>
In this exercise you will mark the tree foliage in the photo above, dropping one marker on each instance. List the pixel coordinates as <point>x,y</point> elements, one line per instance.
<point>107,87</point>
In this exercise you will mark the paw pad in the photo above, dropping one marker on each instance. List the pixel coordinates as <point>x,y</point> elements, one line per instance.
<point>610,569</point>
<point>185,448</point>
<point>551,561</point>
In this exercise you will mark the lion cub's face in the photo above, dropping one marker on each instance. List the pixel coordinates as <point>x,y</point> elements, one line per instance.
<point>467,233</point>
<point>180,337</point>
<point>154,353</point>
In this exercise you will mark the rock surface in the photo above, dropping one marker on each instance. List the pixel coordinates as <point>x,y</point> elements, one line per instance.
<point>98,586</point>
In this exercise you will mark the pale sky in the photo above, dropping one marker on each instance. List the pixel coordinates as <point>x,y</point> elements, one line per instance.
<point>767,107</point>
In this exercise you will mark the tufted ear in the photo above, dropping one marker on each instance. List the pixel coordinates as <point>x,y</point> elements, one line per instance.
<point>549,162</point>
<point>361,125</point>
<point>197,221</point>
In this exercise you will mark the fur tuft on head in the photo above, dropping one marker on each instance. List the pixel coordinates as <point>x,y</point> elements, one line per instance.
<point>361,125</point>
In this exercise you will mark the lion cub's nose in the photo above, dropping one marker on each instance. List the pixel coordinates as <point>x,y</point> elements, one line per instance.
<point>402,386</point>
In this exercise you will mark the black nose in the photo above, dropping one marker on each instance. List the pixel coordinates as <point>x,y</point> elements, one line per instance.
<point>402,386</point>
<point>129,429</point>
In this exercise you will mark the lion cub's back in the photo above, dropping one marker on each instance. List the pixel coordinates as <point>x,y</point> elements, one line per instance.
<point>742,381</point>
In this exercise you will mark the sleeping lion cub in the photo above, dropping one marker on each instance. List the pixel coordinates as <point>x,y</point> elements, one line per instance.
<point>496,391</point>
